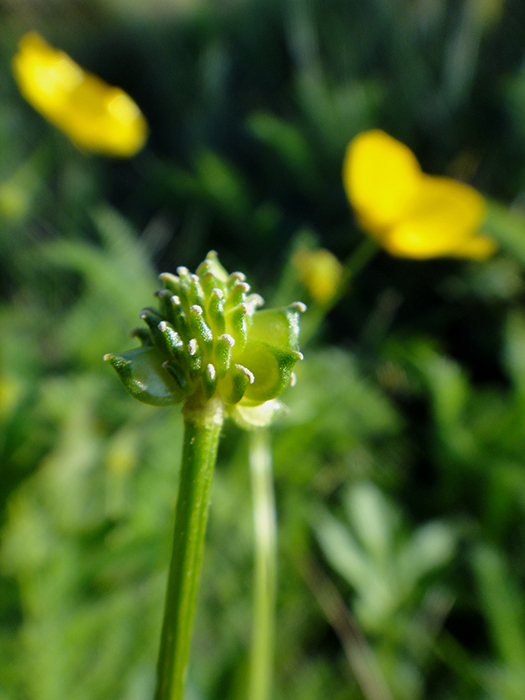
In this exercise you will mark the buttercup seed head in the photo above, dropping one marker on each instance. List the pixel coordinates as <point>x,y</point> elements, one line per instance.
<point>222,347</point>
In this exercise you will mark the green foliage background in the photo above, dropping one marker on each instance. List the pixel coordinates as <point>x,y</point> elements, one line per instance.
<point>400,468</point>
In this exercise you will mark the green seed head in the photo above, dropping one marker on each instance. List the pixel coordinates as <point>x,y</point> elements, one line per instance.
<point>209,338</point>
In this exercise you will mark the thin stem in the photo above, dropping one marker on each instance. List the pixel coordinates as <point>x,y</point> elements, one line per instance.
<point>202,426</point>
<point>265,574</point>
<point>358,652</point>
<point>356,261</point>
<point>360,257</point>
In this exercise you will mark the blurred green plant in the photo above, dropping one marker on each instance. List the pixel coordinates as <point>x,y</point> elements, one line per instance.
<point>250,108</point>
<point>386,567</point>
<point>503,604</point>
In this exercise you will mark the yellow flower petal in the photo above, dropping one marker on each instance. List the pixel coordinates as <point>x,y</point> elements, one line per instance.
<point>94,115</point>
<point>381,176</point>
<point>477,248</point>
<point>412,214</point>
<point>441,220</point>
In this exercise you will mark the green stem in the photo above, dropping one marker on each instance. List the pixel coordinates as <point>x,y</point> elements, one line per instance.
<point>355,262</point>
<point>265,574</point>
<point>360,257</point>
<point>202,427</point>
<point>360,656</point>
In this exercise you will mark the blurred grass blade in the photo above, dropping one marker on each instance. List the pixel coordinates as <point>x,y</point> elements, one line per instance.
<point>503,605</point>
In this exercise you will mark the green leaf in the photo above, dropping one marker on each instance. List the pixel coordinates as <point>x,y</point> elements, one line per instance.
<point>374,520</point>
<point>430,547</point>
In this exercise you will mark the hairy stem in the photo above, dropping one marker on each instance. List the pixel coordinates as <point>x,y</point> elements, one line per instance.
<point>202,427</point>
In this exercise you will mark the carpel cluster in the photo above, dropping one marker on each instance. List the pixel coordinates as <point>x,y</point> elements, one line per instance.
<point>210,338</point>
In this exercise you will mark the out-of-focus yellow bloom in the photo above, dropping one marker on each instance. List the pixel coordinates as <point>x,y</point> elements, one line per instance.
<point>409,213</point>
<point>320,272</point>
<point>94,115</point>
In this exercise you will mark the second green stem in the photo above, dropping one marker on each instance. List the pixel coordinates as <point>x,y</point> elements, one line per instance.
<point>265,575</point>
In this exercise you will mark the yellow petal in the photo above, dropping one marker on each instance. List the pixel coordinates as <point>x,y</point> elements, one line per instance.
<point>381,176</point>
<point>476,248</point>
<point>443,220</point>
<point>94,115</point>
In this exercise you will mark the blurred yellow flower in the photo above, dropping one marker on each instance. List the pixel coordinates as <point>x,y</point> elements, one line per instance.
<point>320,272</point>
<point>409,213</point>
<point>94,115</point>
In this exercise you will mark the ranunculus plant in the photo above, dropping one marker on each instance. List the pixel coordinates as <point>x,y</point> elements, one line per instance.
<point>210,346</point>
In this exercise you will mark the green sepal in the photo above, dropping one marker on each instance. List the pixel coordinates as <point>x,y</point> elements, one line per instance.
<point>144,377</point>
<point>272,368</point>
<point>279,327</point>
